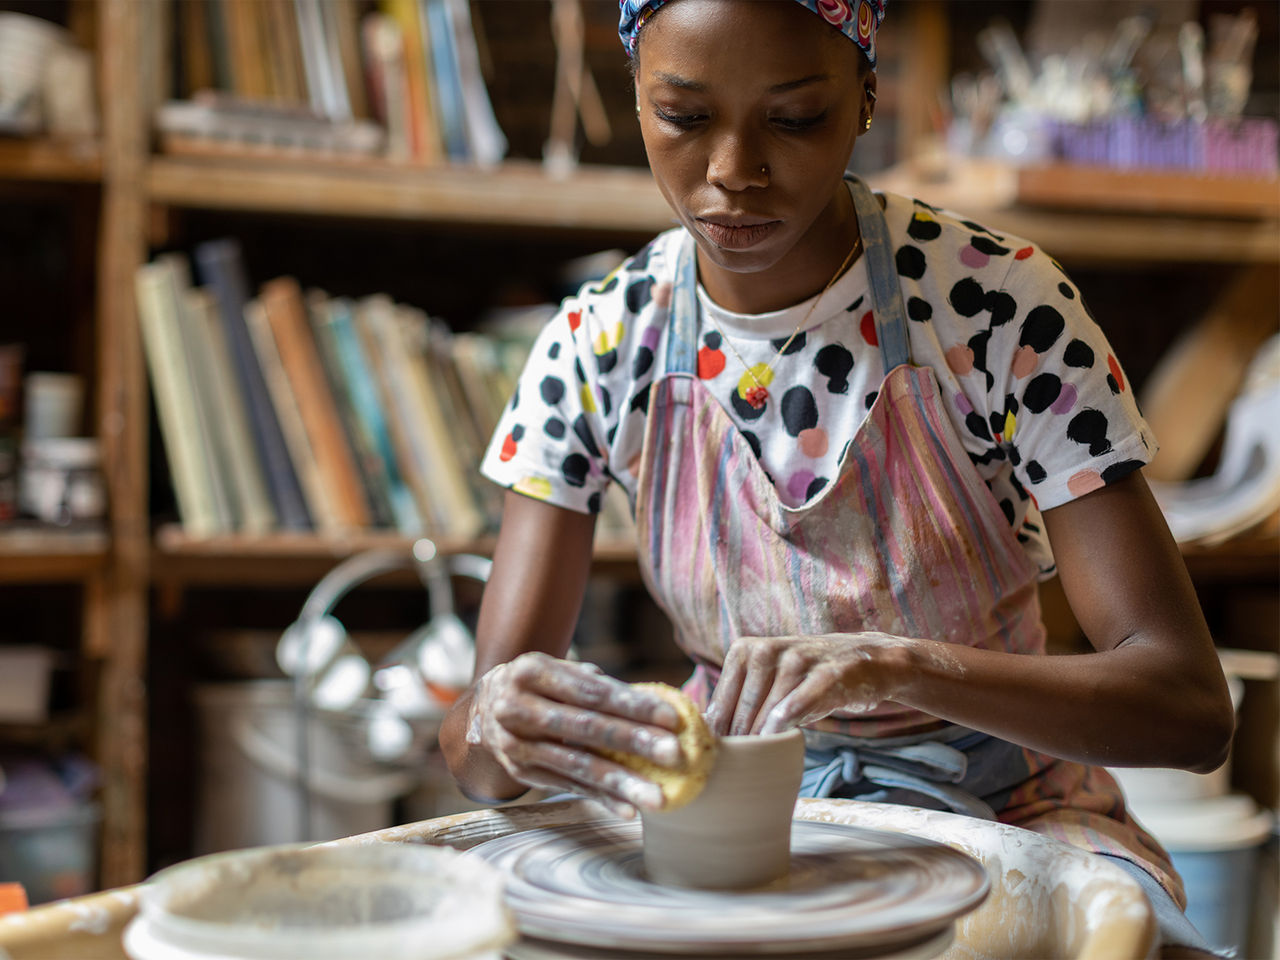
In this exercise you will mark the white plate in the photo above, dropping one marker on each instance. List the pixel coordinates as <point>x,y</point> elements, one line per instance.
<point>849,888</point>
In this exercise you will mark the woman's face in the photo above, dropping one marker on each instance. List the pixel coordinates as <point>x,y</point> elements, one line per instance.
<point>749,112</point>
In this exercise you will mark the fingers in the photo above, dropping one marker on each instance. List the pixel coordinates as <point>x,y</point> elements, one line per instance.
<point>803,704</point>
<point>580,771</point>
<point>584,685</point>
<point>747,685</point>
<point>719,713</point>
<point>542,721</point>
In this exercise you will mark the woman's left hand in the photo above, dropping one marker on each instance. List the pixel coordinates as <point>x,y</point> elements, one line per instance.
<point>770,684</point>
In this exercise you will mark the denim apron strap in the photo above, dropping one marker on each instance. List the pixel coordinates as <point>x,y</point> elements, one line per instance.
<point>882,271</point>
<point>682,328</point>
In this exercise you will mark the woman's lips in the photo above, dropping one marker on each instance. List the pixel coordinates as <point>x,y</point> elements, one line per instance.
<point>737,236</point>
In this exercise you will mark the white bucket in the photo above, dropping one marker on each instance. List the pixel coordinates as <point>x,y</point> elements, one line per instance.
<point>1215,845</point>
<point>249,791</point>
<point>387,901</point>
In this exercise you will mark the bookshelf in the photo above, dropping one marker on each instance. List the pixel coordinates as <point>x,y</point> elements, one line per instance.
<point>121,567</point>
<point>74,161</point>
<point>39,556</point>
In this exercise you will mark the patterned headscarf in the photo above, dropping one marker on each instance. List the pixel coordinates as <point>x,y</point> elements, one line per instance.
<point>856,19</point>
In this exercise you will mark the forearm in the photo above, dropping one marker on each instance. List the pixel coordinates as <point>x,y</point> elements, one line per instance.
<point>531,603</point>
<point>478,773</point>
<point>1120,707</point>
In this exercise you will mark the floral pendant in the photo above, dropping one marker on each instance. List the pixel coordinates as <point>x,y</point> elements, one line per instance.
<point>756,396</point>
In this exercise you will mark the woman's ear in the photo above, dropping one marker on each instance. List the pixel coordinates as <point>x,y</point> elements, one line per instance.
<point>868,100</point>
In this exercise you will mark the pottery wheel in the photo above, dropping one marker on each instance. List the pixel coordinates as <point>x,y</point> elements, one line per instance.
<point>849,888</point>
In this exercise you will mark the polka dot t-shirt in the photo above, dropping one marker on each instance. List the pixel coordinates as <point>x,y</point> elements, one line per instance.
<point>1035,393</point>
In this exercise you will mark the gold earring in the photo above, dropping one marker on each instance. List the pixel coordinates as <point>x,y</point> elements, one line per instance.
<point>866,126</point>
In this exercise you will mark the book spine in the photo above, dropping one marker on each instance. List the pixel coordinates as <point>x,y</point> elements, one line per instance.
<point>222,269</point>
<point>360,376</point>
<point>446,471</point>
<point>175,403</point>
<point>388,84</point>
<point>368,464</point>
<point>244,466</point>
<point>444,77</point>
<point>213,444</point>
<point>346,21</point>
<point>286,312</point>
<point>486,143</point>
<point>376,326</point>
<point>325,512</point>
<point>423,130</point>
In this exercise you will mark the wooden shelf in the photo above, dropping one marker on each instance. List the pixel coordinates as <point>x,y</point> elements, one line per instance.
<point>1149,191</point>
<point>988,192</point>
<point>33,555</point>
<point>300,559</point>
<point>594,198</point>
<point>626,200</point>
<point>60,731</point>
<point>75,161</point>
<point>1247,558</point>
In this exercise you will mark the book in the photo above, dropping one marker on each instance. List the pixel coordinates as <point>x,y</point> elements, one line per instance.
<point>215,122</point>
<point>444,81</point>
<point>338,324</point>
<point>219,44</point>
<point>388,82</point>
<point>220,266</point>
<point>196,373</point>
<point>287,51</point>
<point>327,96</point>
<point>486,144</point>
<point>286,313</point>
<point>376,325</point>
<point>346,27</point>
<point>425,142</point>
<point>212,441</point>
<point>247,487</point>
<point>156,289</point>
<point>447,473</point>
<point>323,511</point>
<point>195,46</point>
<point>368,463</point>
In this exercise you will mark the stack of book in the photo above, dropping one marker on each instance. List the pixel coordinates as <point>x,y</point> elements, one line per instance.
<point>335,77</point>
<point>295,410</point>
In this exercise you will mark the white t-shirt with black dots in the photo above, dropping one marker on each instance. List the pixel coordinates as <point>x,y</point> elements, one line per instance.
<point>1031,385</point>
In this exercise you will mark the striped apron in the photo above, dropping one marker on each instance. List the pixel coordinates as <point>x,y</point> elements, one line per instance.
<point>906,540</point>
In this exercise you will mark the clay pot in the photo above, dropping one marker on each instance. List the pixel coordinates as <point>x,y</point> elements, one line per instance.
<point>737,832</point>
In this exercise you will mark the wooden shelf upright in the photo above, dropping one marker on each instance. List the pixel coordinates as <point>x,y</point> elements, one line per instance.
<point>116,609</point>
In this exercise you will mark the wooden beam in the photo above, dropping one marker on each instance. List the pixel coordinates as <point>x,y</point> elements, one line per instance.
<point>116,614</point>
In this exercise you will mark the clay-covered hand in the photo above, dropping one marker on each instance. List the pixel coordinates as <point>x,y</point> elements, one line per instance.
<point>542,718</point>
<point>770,684</point>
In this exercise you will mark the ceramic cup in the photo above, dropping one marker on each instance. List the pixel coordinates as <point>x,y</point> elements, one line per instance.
<point>737,832</point>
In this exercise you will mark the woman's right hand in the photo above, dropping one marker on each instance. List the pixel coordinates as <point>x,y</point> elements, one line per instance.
<point>543,718</point>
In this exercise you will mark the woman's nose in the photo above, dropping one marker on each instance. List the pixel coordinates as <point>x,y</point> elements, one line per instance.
<point>735,165</point>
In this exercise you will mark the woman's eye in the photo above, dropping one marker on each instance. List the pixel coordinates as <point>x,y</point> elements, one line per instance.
<point>677,119</point>
<point>799,123</point>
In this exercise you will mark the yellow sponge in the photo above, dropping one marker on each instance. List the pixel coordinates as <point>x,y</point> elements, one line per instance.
<point>679,784</point>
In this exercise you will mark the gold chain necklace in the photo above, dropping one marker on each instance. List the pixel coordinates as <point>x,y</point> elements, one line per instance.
<point>758,394</point>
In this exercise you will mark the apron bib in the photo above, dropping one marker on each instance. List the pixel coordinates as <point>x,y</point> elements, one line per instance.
<point>906,539</point>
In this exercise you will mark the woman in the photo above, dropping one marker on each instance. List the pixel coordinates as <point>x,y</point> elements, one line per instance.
<point>850,428</point>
